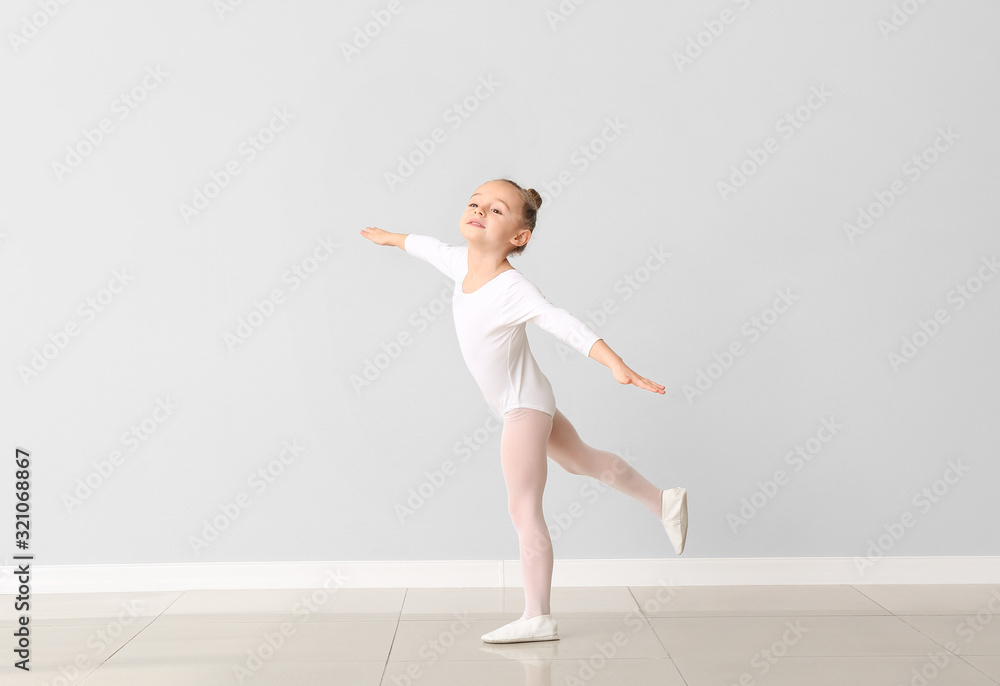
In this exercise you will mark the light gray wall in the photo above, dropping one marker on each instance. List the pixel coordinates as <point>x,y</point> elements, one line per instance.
<point>653,186</point>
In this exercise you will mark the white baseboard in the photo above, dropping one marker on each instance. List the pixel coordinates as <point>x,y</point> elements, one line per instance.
<point>739,571</point>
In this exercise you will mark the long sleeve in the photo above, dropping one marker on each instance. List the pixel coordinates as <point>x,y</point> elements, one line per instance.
<point>526,303</point>
<point>447,258</point>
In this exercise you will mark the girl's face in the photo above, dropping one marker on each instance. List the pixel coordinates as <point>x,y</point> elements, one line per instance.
<point>492,217</point>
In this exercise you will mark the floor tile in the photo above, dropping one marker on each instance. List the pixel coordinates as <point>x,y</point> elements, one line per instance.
<point>216,673</point>
<point>934,599</point>
<point>43,676</point>
<point>971,634</point>
<point>491,603</point>
<point>531,671</point>
<point>293,605</point>
<point>84,646</point>
<point>757,601</point>
<point>795,636</point>
<point>51,609</point>
<point>477,603</point>
<point>242,642</point>
<point>949,670</point>
<point>987,664</point>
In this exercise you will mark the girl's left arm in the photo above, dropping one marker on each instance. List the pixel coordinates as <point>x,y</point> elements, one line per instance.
<point>524,302</point>
<point>603,353</point>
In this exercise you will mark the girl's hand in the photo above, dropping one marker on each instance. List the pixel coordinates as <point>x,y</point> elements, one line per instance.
<point>377,235</point>
<point>625,375</point>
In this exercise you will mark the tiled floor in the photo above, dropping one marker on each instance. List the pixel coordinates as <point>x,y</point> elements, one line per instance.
<point>669,636</point>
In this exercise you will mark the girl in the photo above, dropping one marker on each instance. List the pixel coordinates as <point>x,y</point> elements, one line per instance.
<point>492,303</point>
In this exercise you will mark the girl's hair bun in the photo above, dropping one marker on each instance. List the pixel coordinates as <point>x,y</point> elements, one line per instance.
<point>536,198</point>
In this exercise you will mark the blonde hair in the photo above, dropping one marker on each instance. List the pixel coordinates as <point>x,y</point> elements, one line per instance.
<point>531,201</point>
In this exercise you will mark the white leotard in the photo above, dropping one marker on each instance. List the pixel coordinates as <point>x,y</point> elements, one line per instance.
<point>490,326</point>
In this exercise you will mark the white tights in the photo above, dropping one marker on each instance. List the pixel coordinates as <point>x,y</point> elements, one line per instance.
<point>528,436</point>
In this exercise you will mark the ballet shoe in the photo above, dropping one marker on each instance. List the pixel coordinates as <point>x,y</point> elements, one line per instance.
<point>538,628</point>
<point>675,516</point>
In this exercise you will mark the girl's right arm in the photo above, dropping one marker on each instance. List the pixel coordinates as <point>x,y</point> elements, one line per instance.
<point>450,260</point>
<point>383,237</point>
